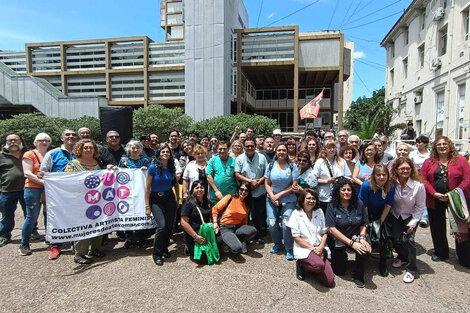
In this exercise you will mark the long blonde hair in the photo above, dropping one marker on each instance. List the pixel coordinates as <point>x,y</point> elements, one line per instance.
<point>339,160</point>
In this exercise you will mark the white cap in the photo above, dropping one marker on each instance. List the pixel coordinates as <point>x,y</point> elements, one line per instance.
<point>277,131</point>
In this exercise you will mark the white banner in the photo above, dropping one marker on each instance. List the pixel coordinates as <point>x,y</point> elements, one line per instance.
<point>87,204</point>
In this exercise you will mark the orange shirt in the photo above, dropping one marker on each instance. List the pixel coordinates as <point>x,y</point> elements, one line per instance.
<point>36,158</point>
<point>235,214</point>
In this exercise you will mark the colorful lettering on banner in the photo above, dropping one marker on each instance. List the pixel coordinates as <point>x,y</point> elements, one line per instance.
<point>88,204</point>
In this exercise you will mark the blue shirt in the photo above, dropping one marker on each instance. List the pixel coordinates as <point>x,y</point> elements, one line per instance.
<point>364,170</point>
<point>373,201</point>
<point>130,163</point>
<point>281,179</point>
<point>163,182</point>
<point>347,221</point>
<point>56,160</point>
<point>252,169</point>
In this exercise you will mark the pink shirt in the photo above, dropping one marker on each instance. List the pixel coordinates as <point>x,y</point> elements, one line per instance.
<point>409,201</point>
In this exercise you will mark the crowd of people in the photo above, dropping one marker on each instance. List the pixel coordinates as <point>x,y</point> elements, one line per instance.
<point>319,197</point>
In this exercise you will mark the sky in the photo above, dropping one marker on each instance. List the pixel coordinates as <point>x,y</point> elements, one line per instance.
<point>366,22</point>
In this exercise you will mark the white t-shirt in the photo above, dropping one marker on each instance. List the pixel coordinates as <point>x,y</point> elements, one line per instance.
<point>191,172</point>
<point>320,170</point>
<point>418,158</point>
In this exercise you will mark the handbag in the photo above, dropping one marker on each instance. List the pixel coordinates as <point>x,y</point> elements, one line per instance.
<point>210,247</point>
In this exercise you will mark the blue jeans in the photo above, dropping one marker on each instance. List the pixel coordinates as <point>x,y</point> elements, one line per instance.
<point>32,197</point>
<point>8,203</point>
<point>425,215</point>
<point>274,213</point>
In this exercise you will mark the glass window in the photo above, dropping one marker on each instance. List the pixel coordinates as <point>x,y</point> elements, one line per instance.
<point>421,55</point>
<point>442,44</point>
<point>405,67</point>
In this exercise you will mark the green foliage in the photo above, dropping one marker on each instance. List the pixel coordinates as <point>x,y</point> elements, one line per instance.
<point>223,126</point>
<point>368,126</point>
<point>159,119</point>
<point>373,111</point>
<point>29,125</point>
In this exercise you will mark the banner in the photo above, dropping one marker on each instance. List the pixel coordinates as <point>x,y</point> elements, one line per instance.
<point>87,204</point>
<point>312,108</point>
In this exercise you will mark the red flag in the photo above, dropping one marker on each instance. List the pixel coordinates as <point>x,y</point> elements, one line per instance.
<point>311,109</point>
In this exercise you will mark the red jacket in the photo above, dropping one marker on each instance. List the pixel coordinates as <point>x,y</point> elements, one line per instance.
<point>459,176</point>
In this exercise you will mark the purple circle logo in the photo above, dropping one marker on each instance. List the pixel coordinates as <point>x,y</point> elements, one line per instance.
<point>123,207</point>
<point>109,194</point>
<point>123,178</point>
<point>109,208</point>
<point>93,212</point>
<point>93,196</point>
<point>123,192</point>
<point>92,181</point>
<point>108,179</point>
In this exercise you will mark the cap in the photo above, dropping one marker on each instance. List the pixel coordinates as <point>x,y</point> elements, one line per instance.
<point>410,123</point>
<point>277,131</point>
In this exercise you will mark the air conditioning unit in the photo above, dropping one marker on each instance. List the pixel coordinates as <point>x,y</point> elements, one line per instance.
<point>439,13</point>
<point>436,63</point>
<point>335,118</point>
<point>418,99</point>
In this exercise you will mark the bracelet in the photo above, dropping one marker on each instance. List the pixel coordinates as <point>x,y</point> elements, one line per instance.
<point>362,237</point>
<point>351,243</point>
<point>195,236</point>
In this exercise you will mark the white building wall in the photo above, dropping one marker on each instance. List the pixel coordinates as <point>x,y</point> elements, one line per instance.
<point>208,65</point>
<point>428,80</point>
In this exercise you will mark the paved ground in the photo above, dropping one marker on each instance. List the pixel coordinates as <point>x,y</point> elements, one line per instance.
<point>128,281</point>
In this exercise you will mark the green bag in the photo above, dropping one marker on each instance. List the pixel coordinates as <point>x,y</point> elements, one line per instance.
<point>210,247</point>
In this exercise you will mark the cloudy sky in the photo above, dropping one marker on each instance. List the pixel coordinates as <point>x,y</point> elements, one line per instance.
<point>365,22</point>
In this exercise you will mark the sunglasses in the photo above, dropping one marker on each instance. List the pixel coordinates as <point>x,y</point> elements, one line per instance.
<point>243,190</point>
<point>303,160</point>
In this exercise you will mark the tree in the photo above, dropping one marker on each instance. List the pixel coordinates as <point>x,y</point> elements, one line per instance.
<point>366,113</point>
<point>159,119</point>
<point>223,126</point>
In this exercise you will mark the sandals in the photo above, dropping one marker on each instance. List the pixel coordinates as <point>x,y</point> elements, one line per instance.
<point>81,259</point>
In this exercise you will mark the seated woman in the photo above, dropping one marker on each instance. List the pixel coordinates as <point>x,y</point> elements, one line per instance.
<point>309,231</point>
<point>86,153</point>
<point>195,207</point>
<point>408,207</point>
<point>234,229</point>
<point>346,219</point>
<point>377,194</point>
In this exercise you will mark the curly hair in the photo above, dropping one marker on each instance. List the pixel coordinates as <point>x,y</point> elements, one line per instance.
<point>414,175</point>
<point>373,183</point>
<point>158,163</point>
<point>335,197</point>
<point>348,147</point>
<point>453,153</point>
<point>199,149</point>
<point>78,148</point>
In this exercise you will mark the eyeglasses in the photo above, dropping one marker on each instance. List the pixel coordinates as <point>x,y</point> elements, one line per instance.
<point>250,147</point>
<point>404,169</point>
<point>114,136</point>
<point>243,190</point>
<point>302,160</point>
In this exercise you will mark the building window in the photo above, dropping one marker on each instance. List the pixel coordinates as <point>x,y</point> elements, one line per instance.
<point>392,49</point>
<point>466,23</point>
<point>423,19</point>
<point>406,35</point>
<point>444,4</point>
<point>460,108</point>
<point>405,67</point>
<point>421,55</point>
<point>439,113</point>
<point>392,76</point>
<point>442,41</point>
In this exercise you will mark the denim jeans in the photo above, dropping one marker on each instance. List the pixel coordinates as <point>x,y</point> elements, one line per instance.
<point>234,235</point>
<point>404,244</point>
<point>8,203</point>
<point>32,197</point>
<point>274,213</point>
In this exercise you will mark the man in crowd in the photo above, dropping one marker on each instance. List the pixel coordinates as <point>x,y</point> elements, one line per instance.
<point>205,142</point>
<point>84,133</point>
<point>268,150</point>
<point>259,143</point>
<point>175,147</point>
<point>12,182</point>
<point>113,152</point>
<point>277,136</point>
<point>154,142</point>
<point>214,144</point>
<point>409,133</point>
<point>250,167</point>
<point>193,136</point>
<point>221,174</point>
<point>342,138</point>
<point>329,136</point>
<point>389,154</point>
<point>56,160</point>
<point>250,133</point>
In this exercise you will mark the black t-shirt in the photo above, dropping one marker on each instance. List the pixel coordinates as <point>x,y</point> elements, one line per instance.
<point>347,221</point>
<point>148,153</point>
<point>269,156</point>
<point>110,156</point>
<point>176,152</point>
<point>190,210</point>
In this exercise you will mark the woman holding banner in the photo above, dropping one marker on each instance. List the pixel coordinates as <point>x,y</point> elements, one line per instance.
<point>160,200</point>
<point>86,153</point>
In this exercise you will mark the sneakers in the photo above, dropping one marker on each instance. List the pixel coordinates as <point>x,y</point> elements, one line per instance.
<point>276,249</point>
<point>289,255</point>
<point>24,250</point>
<point>359,283</point>
<point>4,241</point>
<point>408,278</point>
<point>81,259</point>
<point>36,236</point>
<point>55,252</point>
<point>398,263</point>
<point>244,248</point>
<point>423,223</point>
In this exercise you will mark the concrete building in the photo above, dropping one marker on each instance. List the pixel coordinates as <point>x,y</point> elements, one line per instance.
<point>428,68</point>
<point>211,64</point>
